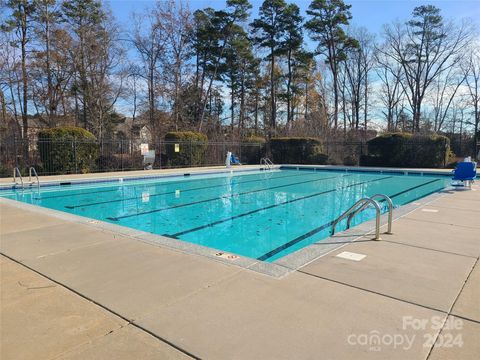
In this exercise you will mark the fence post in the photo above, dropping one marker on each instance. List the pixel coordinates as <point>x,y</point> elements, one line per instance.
<point>121,154</point>
<point>74,145</point>
<point>15,149</point>
<point>191,154</point>
<point>445,157</point>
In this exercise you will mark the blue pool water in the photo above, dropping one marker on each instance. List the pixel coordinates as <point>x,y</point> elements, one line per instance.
<point>263,215</point>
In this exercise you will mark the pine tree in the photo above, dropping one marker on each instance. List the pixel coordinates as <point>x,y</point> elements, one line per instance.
<point>326,27</point>
<point>292,47</point>
<point>269,32</point>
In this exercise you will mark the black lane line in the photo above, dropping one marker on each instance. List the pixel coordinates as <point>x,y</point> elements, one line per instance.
<point>78,194</point>
<point>218,198</point>
<point>266,208</point>
<point>323,227</point>
<point>294,241</point>
<point>173,192</point>
<point>127,184</point>
<point>413,188</point>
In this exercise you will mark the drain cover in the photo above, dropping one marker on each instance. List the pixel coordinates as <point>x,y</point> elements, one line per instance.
<point>430,210</point>
<point>351,256</point>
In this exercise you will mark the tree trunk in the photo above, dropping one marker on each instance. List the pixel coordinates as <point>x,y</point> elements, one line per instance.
<point>25,86</point>
<point>273,122</point>
<point>289,83</point>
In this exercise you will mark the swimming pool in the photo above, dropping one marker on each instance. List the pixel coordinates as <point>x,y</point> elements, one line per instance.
<point>263,215</point>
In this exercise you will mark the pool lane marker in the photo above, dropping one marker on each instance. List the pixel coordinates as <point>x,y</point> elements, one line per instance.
<point>175,192</point>
<point>218,198</point>
<point>323,227</point>
<point>176,235</point>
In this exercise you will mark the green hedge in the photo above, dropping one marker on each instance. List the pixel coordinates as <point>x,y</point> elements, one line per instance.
<point>193,148</point>
<point>67,149</point>
<point>253,149</point>
<point>407,150</point>
<point>296,150</point>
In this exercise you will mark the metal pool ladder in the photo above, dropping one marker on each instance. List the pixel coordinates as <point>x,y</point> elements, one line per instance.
<point>18,174</point>
<point>267,162</point>
<point>31,171</point>
<point>363,203</point>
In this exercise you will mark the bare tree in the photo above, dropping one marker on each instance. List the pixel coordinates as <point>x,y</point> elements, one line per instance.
<point>425,47</point>
<point>19,24</point>
<point>472,79</point>
<point>444,90</point>
<point>149,42</point>
<point>357,68</point>
<point>391,92</point>
<point>175,21</point>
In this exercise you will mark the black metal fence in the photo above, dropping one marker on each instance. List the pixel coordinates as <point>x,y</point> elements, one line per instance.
<point>74,157</point>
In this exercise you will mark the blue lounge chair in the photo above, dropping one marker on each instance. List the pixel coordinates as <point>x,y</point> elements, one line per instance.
<point>234,160</point>
<point>465,172</point>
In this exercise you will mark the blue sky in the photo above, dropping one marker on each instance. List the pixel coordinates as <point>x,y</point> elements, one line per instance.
<point>369,13</point>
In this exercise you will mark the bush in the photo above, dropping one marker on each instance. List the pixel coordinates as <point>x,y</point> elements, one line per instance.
<point>297,151</point>
<point>193,148</point>
<point>67,149</point>
<point>253,149</point>
<point>407,150</point>
<point>350,160</point>
<point>112,162</point>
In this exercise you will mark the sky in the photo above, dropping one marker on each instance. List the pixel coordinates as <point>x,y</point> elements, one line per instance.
<point>371,14</point>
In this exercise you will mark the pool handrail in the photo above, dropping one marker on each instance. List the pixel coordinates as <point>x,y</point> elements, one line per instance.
<point>31,171</point>
<point>361,202</point>
<point>390,211</point>
<point>267,162</point>
<point>17,173</point>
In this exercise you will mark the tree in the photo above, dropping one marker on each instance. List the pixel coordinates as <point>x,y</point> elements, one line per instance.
<point>222,23</point>
<point>327,18</point>
<point>49,68</point>
<point>20,23</point>
<point>149,42</point>
<point>356,69</point>
<point>238,67</point>
<point>84,18</point>
<point>472,79</point>
<point>175,21</point>
<point>426,46</point>
<point>292,46</point>
<point>269,32</point>
<point>391,93</point>
<point>97,57</point>
<point>443,93</point>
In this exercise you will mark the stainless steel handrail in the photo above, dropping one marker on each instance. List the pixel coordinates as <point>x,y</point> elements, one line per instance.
<point>16,173</point>
<point>361,208</point>
<point>361,203</point>
<point>30,171</point>
<point>267,162</point>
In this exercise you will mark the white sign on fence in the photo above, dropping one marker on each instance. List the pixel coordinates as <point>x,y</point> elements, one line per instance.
<point>143,149</point>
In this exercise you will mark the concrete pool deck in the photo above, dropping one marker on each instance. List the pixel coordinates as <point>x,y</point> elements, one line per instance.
<point>71,291</point>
